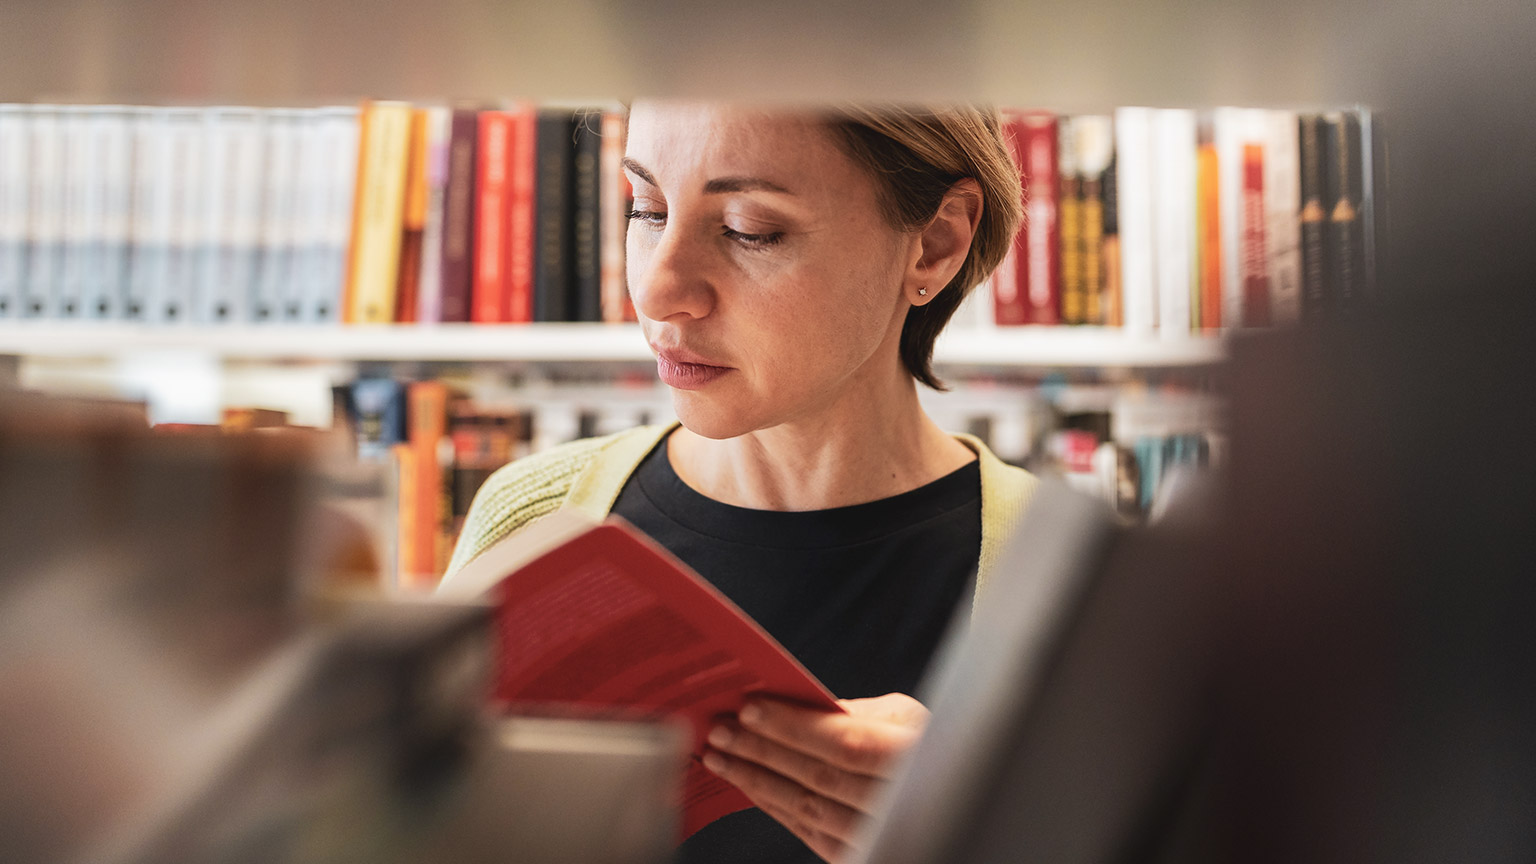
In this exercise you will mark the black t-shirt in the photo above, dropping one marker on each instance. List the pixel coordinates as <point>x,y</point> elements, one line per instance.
<point>861,595</point>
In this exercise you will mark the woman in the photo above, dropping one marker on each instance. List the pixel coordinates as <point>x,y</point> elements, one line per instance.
<point>791,271</point>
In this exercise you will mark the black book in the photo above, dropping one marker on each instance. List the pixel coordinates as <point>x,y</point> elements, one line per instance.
<point>1313,148</point>
<point>586,225</point>
<point>552,245</point>
<point>1341,179</point>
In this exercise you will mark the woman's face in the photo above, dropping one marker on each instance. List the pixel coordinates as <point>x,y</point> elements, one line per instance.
<point>766,280</point>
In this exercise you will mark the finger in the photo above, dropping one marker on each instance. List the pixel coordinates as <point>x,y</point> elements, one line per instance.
<point>857,744</point>
<point>895,707</point>
<point>854,790</point>
<point>769,790</point>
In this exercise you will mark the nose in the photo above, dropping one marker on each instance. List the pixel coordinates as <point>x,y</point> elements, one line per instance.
<point>668,274</point>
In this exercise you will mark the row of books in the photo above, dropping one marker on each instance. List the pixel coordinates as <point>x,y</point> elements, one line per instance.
<point>1175,221</point>
<point>384,212</point>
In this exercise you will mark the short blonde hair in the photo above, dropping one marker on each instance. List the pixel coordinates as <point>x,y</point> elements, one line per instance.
<point>915,155</point>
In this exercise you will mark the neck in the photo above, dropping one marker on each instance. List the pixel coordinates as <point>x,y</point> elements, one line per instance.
<point>871,443</point>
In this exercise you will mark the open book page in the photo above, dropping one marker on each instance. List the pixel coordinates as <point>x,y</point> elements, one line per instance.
<point>604,619</point>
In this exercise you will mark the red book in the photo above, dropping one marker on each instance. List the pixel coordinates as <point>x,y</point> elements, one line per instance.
<point>522,178</point>
<point>1028,289</point>
<point>488,293</point>
<point>598,617</point>
<point>1255,253</point>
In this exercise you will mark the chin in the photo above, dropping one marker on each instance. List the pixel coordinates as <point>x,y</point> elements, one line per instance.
<point>709,418</point>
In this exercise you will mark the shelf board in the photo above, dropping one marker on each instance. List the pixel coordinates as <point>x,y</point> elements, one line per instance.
<point>561,343</point>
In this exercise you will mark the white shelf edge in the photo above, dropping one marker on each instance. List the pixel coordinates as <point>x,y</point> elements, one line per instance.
<point>562,343</point>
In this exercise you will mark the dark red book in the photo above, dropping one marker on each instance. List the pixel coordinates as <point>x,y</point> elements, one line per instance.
<point>1254,264</point>
<point>598,618</point>
<point>1028,288</point>
<point>459,196</point>
<point>492,189</point>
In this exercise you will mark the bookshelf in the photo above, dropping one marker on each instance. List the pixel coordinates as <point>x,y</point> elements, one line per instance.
<point>1003,347</point>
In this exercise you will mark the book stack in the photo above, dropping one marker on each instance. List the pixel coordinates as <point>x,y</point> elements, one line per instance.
<point>381,213</point>
<point>1169,221</point>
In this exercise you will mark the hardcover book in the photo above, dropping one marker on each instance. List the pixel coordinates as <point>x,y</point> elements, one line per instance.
<point>552,217</point>
<point>596,618</point>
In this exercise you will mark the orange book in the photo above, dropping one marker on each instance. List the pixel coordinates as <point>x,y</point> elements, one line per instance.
<point>427,410</point>
<point>489,287</point>
<point>597,617</point>
<point>1208,214</point>
<point>522,202</point>
<point>378,211</point>
<point>407,516</point>
<point>413,220</point>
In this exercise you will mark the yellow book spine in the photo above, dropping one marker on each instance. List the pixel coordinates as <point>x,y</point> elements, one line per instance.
<point>375,257</point>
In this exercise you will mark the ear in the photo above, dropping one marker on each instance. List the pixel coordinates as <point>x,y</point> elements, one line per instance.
<point>943,244</point>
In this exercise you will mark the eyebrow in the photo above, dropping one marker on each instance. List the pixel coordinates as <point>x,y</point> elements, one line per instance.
<point>717,186</point>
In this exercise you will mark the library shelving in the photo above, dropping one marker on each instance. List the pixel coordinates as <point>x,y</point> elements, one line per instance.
<point>1028,346</point>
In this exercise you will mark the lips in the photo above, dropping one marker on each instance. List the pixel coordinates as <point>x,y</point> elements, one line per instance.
<point>685,370</point>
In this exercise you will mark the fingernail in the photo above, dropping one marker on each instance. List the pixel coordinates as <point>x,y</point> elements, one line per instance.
<point>714,762</point>
<point>720,737</point>
<point>750,715</point>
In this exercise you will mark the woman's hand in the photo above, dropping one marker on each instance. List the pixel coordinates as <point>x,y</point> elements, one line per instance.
<point>814,771</point>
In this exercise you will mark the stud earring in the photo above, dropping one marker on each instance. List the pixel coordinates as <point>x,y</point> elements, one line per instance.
<point>922,292</point>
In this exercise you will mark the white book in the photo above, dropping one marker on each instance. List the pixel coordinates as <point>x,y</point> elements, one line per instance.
<point>429,308</point>
<point>173,299</point>
<point>1282,216</point>
<point>45,223</point>
<point>114,135</point>
<point>1133,186</point>
<point>309,218</point>
<point>150,231</point>
<point>274,245</point>
<point>1233,130</point>
<point>81,223</point>
<point>234,146</point>
<point>15,190</point>
<point>341,143</point>
<point>1174,145</point>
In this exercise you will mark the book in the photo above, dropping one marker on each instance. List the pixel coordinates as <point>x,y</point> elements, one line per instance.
<point>81,224</point>
<point>14,147</point>
<point>427,413</point>
<point>45,223</point>
<point>616,201</point>
<point>437,132</point>
<point>339,131</point>
<point>1253,252</point>
<point>1074,301</point>
<point>277,237</point>
<point>522,175</point>
<point>457,256</point>
<point>1313,218</point>
<point>106,286</point>
<point>1114,293</point>
<point>1134,209</point>
<point>596,617</point>
<point>236,166</point>
<point>1282,203</point>
<point>413,220</point>
<point>493,156</point>
<point>379,208</point>
<point>552,217</point>
<point>1341,187</point>
<point>586,217</point>
<point>1208,228</point>
<point>1174,146</point>
<point>1094,139</point>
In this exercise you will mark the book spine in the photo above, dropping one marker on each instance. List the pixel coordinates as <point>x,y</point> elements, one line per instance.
<point>405,471</point>
<point>237,144</point>
<point>1173,193</point>
<point>1009,304</point>
<point>1133,181</point>
<point>428,413</point>
<point>1254,253</point>
<point>586,218</point>
<point>1282,202</point>
<point>115,133</point>
<point>1041,281</point>
<point>82,212</point>
<point>149,230</point>
<point>380,208</point>
<point>310,215</point>
<point>1230,127</point>
<point>1114,290</point>
<point>1373,177</point>
<point>45,222</point>
<point>459,229</point>
<point>184,166</point>
<point>412,221</point>
<point>616,199</point>
<point>1208,218</point>
<point>1095,142</point>
<point>429,308</point>
<point>491,194</point>
<point>1070,215</point>
<point>1313,218</point>
<point>552,218</point>
<point>1342,180</point>
<point>217,137</point>
<point>14,191</point>
<point>523,178</point>
<point>275,244</point>
<point>341,132</point>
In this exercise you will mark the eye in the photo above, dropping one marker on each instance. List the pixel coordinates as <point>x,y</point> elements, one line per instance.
<point>753,241</point>
<point>650,217</point>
